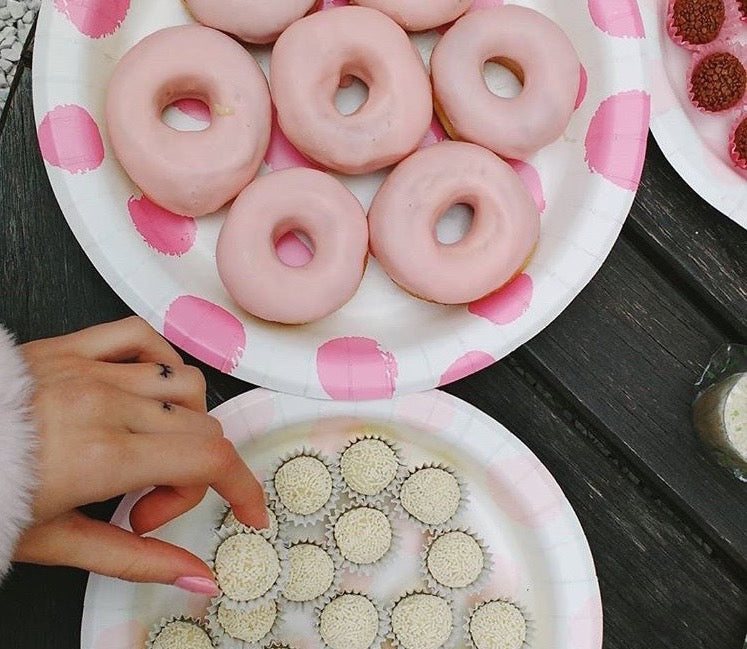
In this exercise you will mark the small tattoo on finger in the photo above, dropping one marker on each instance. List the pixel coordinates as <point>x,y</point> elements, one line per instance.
<point>168,407</point>
<point>166,370</point>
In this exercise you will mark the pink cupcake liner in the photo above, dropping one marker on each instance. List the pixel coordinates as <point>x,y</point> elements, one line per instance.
<point>736,49</point>
<point>740,163</point>
<point>729,29</point>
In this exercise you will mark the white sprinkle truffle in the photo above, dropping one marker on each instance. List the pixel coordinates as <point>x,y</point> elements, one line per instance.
<point>270,532</point>
<point>311,574</point>
<point>303,485</point>
<point>363,535</point>
<point>246,566</point>
<point>455,559</point>
<point>431,495</point>
<point>422,621</point>
<point>498,625</point>
<point>249,626</point>
<point>349,621</point>
<point>182,634</point>
<point>368,466</point>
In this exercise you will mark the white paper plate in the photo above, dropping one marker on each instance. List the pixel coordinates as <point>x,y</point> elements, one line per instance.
<point>696,145</point>
<point>542,559</point>
<point>384,342</point>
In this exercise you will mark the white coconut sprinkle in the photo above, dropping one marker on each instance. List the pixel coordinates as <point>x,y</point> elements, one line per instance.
<point>304,485</point>
<point>422,621</point>
<point>498,625</point>
<point>431,495</point>
<point>180,634</point>
<point>368,466</point>
<point>349,622</point>
<point>363,535</point>
<point>246,566</point>
<point>270,532</point>
<point>249,626</point>
<point>455,560</point>
<point>311,573</point>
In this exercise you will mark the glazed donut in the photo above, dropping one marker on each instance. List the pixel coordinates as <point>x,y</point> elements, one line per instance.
<point>404,214</point>
<point>253,21</point>
<point>536,50</point>
<point>318,54</point>
<point>303,200</point>
<point>419,15</point>
<point>189,173</point>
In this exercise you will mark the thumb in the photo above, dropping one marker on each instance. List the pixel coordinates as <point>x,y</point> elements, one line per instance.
<point>78,541</point>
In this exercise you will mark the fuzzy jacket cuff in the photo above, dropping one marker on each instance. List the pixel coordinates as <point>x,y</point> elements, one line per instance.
<point>17,443</point>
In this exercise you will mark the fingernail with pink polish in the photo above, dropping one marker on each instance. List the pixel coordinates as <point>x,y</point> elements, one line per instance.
<point>201,585</point>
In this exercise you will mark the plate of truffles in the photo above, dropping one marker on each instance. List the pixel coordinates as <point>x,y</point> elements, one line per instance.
<point>418,522</point>
<point>344,200</point>
<point>699,96</point>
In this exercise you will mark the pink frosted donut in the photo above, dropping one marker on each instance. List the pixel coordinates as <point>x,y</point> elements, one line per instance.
<point>189,173</point>
<point>536,50</point>
<point>419,15</point>
<point>317,54</point>
<point>254,21</point>
<point>303,200</point>
<point>404,214</point>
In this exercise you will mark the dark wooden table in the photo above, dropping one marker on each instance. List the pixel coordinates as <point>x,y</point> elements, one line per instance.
<point>602,397</point>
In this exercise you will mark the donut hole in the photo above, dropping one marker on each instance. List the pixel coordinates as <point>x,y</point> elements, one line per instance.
<point>455,224</point>
<point>187,114</point>
<point>294,248</point>
<point>504,77</point>
<point>352,93</point>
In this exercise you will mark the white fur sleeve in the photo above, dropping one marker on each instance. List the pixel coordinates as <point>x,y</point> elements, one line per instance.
<point>17,442</point>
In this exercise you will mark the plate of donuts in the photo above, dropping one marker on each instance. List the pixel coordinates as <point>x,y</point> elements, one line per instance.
<point>396,259</point>
<point>701,142</point>
<point>526,563</point>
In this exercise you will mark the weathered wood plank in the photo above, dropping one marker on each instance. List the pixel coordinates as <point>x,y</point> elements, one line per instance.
<point>702,249</point>
<point>627,352</point>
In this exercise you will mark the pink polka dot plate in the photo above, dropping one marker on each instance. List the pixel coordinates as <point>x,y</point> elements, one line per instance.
<point>696,144</point>
<point>540,557</point>
<point>384,342</point>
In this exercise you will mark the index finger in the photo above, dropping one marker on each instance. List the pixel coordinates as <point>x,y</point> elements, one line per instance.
<point>131,339</point>
<point>188,459</point>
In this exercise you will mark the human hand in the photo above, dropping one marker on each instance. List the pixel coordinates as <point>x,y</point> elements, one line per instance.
<point>117,410</point>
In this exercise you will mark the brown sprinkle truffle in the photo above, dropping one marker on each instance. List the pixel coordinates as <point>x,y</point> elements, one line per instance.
<point>718,82</point>
<point>739,150</point>
<point>698,21</point>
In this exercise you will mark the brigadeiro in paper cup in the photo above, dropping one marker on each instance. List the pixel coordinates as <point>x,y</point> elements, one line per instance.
<point>351,620</point>
<point>251,628</point>
<point>314,572</point>
<point>422,619</point>
<point>364,537</point>
<point>226,519</point>
<point>717,79</point>
<point>455,561</point>
<point>432,495</point>
<point>371,468</point>
<point>738,143</point>
<point>304,487</point>
<point>249,568</point>
<point>182,632</point>
<point>693,24</point>
<point>498,617</point>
